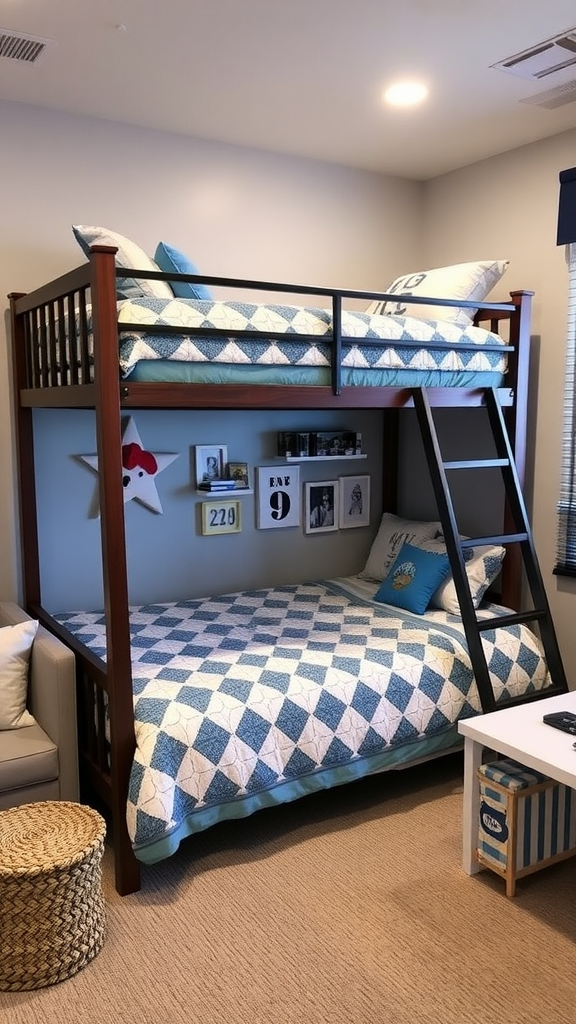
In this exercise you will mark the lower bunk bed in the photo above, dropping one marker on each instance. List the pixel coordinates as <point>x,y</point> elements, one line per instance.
<point>252,699</point>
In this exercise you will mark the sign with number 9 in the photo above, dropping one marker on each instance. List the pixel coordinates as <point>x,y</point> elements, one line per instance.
<point>278,501</point>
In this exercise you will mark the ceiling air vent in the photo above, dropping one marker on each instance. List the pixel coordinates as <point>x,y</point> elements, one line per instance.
<point>22,48</point>
<point>553,57</point>
<point>553,98</point>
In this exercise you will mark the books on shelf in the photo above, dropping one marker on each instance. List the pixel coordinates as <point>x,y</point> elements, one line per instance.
<point>217,485</point>
<point>319,443</point>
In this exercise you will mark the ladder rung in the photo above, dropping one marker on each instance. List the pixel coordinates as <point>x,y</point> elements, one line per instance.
<point>517,518</point>
<point>476,463</point>
<point>499,538</point>
<point>510,620</point>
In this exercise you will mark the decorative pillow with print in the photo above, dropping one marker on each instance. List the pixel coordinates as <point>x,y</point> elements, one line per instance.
<point>470,282</point>
<point>413,578</point>
<point>393,532</point>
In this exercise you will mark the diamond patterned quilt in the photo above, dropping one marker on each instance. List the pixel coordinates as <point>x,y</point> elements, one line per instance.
<point>255,698</point>
<point>369,341</point>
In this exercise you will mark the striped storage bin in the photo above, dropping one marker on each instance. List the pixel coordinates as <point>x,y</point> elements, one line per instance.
<point>527,821</point>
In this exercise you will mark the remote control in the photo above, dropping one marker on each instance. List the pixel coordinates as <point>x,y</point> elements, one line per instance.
<point>564,720</point>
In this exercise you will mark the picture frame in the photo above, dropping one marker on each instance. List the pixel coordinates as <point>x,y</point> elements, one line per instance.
<point>239,472</point>
<point>354,501</point>
<point>223,515</point>
<point>277,497</point>
<point>211,460</point>
<point>321,506</point>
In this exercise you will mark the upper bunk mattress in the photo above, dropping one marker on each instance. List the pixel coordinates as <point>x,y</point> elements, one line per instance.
<point>293,344</point>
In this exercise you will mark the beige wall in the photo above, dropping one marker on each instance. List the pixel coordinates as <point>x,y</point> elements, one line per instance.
<point>235,211</point>
<point>506,207</point>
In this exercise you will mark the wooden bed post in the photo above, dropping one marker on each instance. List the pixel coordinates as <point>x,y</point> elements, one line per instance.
<point>114,568</point>
<point>516,419</point>
<point>519,372</point>
<point>390,448</point>
<point>23,417</point>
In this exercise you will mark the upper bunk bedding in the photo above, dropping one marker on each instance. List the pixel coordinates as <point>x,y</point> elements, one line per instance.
<point>164,326</point>
<point>288,344</point>
<point>252,699</point>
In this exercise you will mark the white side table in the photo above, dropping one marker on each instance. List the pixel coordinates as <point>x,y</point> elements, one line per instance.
<point>520,733</point>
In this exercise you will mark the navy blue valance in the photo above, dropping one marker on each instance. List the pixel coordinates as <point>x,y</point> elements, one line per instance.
<point>567,207</point>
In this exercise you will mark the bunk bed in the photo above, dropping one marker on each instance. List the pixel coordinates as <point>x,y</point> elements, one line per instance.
<point>75,344</point>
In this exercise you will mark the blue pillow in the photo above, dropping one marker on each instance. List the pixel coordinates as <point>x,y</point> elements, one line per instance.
<point>171,260</point>
<point>413,578</point>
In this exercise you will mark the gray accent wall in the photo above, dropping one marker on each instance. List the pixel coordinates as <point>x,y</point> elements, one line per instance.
<point>169,557</point>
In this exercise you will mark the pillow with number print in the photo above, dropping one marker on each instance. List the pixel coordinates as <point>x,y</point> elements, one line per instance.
<point>471,282</point>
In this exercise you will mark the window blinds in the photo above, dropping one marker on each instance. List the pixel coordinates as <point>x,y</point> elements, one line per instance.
<point>566,548</point>
<point>567,207</point>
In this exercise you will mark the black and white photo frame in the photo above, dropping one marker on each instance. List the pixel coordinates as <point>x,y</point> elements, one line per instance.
<point>354,501</point>
<point>321,506</point>
<point>211,461</point>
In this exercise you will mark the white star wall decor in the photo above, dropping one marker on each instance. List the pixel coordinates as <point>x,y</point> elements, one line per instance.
<point>139,468</point>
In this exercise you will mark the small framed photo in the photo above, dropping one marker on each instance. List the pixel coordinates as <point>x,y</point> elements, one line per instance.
<point>221,516</point>
<point>211,462</point>
<point>321,506</point>
<point>238,472</point>
<point>354,494</point>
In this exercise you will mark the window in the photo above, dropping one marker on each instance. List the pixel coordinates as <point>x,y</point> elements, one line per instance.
<point>566,551</point>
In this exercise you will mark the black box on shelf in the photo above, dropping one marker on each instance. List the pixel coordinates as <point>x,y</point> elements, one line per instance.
<point>293,444</point>
<point>335,442</point>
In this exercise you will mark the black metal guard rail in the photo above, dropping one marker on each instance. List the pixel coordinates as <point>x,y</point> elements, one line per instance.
<point>57,327</point>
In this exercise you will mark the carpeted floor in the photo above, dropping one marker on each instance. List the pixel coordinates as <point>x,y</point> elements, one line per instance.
<point>348,907</point>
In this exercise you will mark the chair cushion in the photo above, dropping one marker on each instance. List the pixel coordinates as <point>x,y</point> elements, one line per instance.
<point>27,757</point>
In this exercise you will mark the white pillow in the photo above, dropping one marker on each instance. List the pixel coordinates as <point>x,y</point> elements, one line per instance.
<point>129,256</point>
<point>469,281</point>
<point>15,647</point>
<point>482,564</point>
<point>392,534</point>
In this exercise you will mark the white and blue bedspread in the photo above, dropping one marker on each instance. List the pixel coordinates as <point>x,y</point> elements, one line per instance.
<point>370,342</point>
<point>255,698</point>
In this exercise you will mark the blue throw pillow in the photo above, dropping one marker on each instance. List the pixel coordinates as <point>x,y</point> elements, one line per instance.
<point>171,260</point>
<point>413,578</point>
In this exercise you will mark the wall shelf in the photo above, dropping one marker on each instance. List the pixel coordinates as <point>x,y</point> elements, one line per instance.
<point>234,492</point>
<point>318,458</point>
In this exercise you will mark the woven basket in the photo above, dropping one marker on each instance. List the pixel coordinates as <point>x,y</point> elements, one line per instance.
<point>52,915</point>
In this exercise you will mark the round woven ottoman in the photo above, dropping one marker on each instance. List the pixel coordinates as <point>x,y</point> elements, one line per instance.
<point>52,914</point>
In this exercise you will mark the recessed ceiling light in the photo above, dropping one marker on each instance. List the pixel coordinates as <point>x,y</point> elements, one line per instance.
<point>405,94</point>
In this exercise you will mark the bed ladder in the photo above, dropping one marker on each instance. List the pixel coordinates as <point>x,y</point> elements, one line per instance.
<point>517,516</point>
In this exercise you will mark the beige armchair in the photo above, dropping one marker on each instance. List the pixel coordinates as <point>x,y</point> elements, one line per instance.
<point>40,762</point>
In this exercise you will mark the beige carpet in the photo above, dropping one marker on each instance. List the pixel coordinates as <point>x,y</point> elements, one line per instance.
<point>345,908</point>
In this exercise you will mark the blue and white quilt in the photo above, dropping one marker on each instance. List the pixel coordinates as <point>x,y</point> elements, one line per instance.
<point>255,698</point>
<point>467,350</point>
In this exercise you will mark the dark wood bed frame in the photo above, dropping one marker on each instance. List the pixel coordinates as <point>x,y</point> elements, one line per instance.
<point>47,374</point>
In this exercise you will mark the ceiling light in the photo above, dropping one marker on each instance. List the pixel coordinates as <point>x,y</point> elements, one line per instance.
<point>405,94</point>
